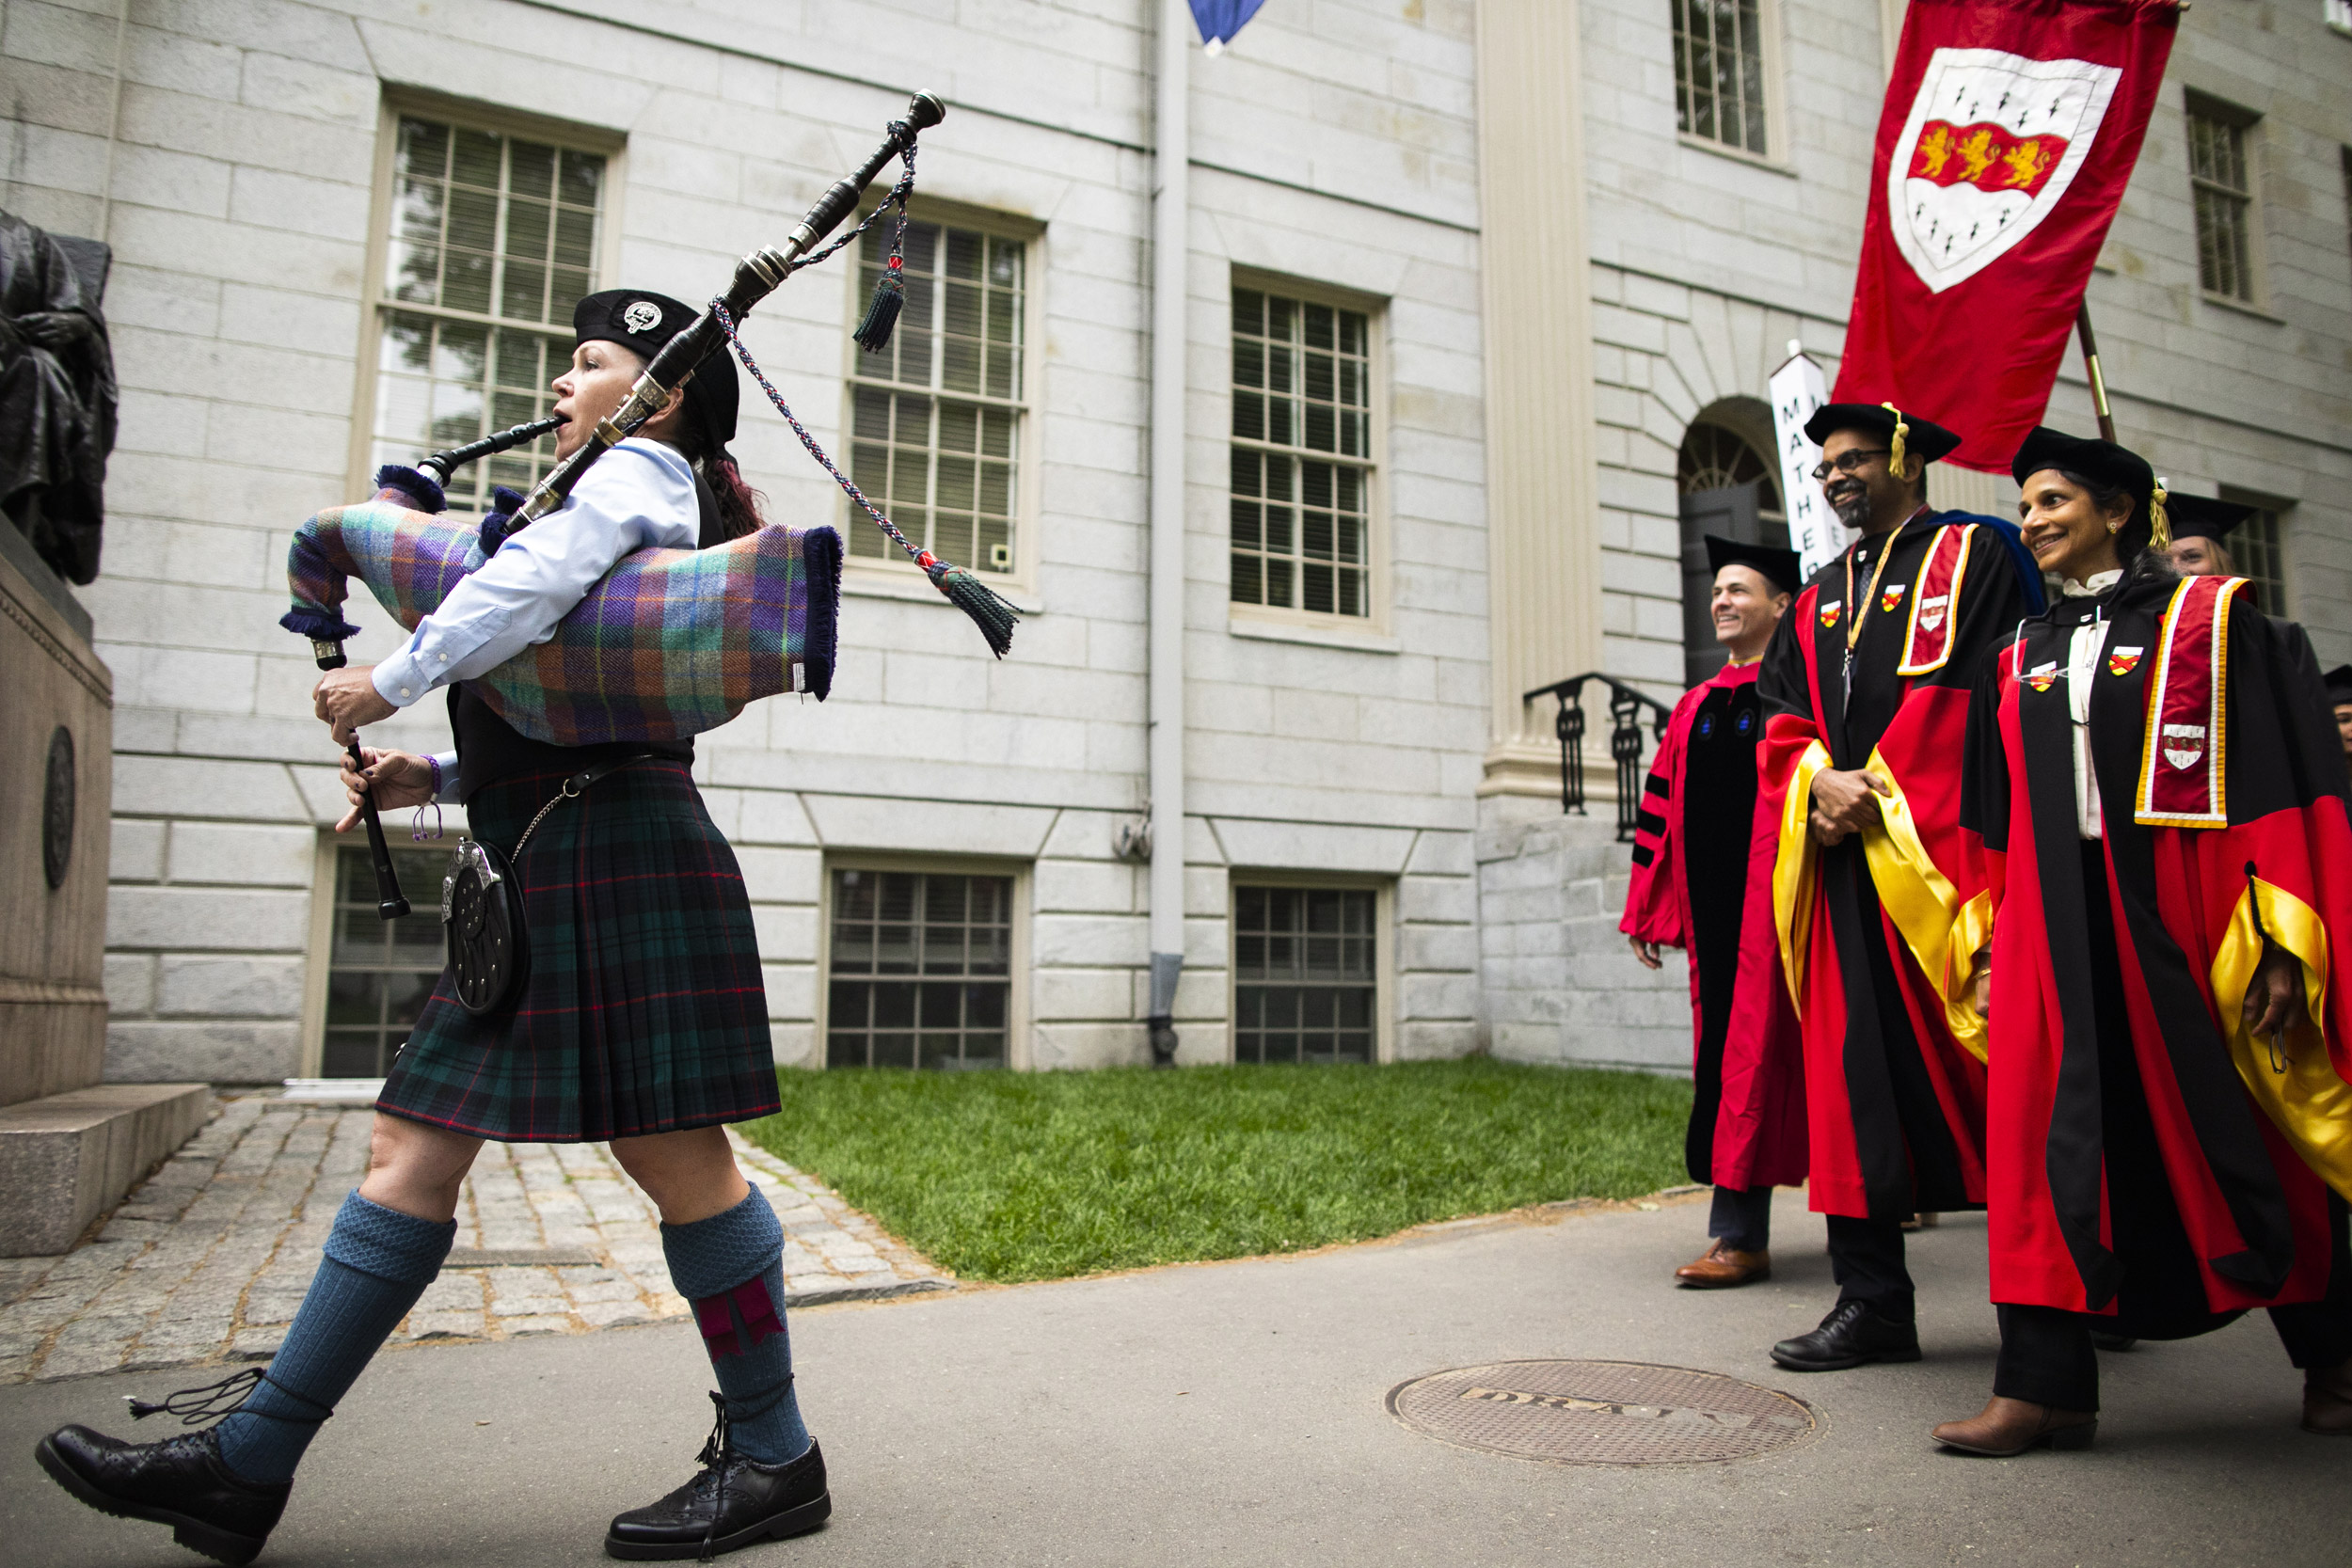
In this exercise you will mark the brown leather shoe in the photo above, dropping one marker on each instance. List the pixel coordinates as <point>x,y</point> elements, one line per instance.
<point>1723,1267</point>
<point>2327,1400</point>
<point>2009,1427</point>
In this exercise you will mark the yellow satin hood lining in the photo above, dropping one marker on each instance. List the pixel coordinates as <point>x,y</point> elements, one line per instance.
<point>1795,867</point>
<point>1926,909</point>
<point>2307,1102</point>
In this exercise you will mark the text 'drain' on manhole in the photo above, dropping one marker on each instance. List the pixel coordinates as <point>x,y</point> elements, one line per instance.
<point>1602,1413</point>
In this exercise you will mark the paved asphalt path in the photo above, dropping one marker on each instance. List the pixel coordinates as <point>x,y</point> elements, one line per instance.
<point>1232,1414</point>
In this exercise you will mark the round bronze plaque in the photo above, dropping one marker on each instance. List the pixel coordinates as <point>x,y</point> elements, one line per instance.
<point>1602,1413</point>
<point>56,809</point>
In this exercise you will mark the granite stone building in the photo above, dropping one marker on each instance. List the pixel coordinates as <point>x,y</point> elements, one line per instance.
<point>1478,297</point>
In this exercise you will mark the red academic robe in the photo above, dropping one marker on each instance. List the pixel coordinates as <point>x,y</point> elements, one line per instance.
<point>1866,930</point>
<point>1691,890</point>
<point>2131,1114</point>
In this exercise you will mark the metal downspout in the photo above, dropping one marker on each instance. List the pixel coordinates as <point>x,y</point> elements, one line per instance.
<point>1171,249</point>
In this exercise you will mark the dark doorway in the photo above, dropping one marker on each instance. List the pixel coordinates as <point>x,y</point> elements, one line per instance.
<point>1728,489</point>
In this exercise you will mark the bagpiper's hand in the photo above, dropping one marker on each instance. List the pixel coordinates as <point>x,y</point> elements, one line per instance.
<point>395,779</point>
<point>2274,996</point>
<point>345,699</point>
<point>1646,952</point>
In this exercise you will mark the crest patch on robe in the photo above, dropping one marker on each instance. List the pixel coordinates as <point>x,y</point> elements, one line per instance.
<point>2122,661</point>
<point>1829,615</point>
<point>2184,744</point>
<point>2042,676</point>
<point>1893,597</point>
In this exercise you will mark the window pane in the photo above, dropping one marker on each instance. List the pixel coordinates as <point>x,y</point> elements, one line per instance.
<point>492,227</point>
<point>960,331</point>
<point>1315,363</point>
<point>1718,48</point>
<point>956,933</point>
<point>379,972</point>
<point>1306,986</point>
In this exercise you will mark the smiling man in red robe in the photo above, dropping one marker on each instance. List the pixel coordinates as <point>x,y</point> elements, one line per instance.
<point>1691,890</point>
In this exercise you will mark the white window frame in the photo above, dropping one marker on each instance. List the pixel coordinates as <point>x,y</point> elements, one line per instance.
<point>319,953</point>
<point>394,103</point>
<point>1774,154</point>
<point>2199,106</point>
<point>895,575</point>
<point>1373,626</point>
<point>1019,1049</point>
<point>1384,947</point>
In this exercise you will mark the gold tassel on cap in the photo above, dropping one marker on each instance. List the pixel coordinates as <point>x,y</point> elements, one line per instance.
<point>2159,526</point>
<point>1894,447</point>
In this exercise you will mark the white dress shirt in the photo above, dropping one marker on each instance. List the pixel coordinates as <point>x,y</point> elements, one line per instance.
<point>641,494</point>
<point>2082,664</point>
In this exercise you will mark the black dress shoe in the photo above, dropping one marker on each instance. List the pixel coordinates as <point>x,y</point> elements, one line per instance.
<point>733,1502</point>
<point>181,1481</point>
<point>1853,1335</point>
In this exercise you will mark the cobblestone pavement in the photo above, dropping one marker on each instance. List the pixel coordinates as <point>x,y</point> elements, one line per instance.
<point>208,1259</point>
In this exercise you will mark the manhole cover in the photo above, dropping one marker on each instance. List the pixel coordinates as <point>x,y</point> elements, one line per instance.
<point>1602,1413</point>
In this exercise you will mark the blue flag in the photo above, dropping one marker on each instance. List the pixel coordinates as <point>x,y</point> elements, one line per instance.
<point>1220,20</point>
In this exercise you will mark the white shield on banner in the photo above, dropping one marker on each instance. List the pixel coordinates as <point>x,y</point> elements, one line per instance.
<point>1797,389</point>
<point>1993,142</point>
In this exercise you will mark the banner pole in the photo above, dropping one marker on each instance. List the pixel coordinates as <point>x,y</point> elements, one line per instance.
<point>2098,381</point>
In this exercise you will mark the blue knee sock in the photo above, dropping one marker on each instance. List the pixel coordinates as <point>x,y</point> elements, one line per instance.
<point>378,1262</point>
<point>731,1267</point>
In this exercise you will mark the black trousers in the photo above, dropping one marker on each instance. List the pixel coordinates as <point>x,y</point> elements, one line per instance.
<point>1742,1219</point>
<point>2047,1356</point>
<point>1866,1258</point>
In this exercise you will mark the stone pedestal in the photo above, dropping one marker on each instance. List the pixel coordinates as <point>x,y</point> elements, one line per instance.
<point>68,1147</point>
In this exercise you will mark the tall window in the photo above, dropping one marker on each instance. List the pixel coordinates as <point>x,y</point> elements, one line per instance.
<point>2257,548</point>
<point>492,239</point>
<point>1718,72</point>
<point>1306,975</point>
<point>379,972</point>
<point>921,970</point>
<point>1302,455</point>
<point>936,420</point>
<point>2224,194</point>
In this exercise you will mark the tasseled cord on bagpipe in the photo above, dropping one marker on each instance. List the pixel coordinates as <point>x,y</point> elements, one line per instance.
<point>965,591</point>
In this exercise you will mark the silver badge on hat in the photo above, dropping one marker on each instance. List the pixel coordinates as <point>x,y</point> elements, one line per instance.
<point>642,315</point>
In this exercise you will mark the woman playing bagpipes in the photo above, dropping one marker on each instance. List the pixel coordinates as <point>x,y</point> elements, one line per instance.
<point>640,1020</point>
<point>2160,802</point>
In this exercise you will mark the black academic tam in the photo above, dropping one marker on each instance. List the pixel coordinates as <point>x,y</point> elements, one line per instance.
<point>1778,567</point>
<point>2203,516</point>
<point>1922,438</point>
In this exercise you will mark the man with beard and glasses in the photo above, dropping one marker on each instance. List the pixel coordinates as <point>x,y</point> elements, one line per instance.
<point>1865,692</point>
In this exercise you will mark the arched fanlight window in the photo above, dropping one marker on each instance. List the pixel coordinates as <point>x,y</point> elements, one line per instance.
<point>1714,458</point>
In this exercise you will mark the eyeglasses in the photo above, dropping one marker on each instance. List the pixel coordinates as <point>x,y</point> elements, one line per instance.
<point>1847,462</point>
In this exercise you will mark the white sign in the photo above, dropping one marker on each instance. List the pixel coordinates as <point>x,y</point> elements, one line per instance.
<point>1993,142</point>
<point>1815,533</point>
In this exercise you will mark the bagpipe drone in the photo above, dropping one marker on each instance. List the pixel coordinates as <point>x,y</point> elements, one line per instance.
<point>670,642</point>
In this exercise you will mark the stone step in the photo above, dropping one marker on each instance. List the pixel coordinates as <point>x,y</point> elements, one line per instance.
<point>66,1158</point>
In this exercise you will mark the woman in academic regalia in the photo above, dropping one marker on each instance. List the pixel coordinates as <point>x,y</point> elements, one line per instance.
<point>2161,807</point>
<point>641,1021</point>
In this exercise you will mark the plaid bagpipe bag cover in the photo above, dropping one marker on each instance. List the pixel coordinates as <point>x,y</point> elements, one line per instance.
<point>668,645</point>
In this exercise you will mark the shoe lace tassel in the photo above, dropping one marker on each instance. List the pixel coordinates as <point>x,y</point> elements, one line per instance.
<point>717,1457</point>
<point>196,1406</point>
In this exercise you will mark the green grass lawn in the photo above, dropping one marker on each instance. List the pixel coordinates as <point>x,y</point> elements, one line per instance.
<point>1012,1175</point>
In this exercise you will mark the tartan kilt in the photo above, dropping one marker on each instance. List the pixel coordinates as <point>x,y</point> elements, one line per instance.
<point>644,1010</point>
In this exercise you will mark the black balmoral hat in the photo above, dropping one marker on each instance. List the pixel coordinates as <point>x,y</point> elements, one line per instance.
<point>1921,438</point>
<point>1779,567</point>
<point>2103,461</point>
<point>641,322</point>
<point>2204,516</point>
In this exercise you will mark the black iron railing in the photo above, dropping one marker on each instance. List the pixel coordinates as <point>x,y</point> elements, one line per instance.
<point>1624,741</point>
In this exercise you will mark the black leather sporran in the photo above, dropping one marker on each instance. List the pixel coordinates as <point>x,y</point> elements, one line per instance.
<point>482,927</point>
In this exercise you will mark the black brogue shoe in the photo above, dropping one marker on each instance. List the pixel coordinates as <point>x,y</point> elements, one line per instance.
<point>733,1502</point>
<point>181,1481</point>
<point>1853,1335</point>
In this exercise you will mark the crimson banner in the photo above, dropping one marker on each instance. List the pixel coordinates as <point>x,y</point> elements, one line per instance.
<point>2008,134</point>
